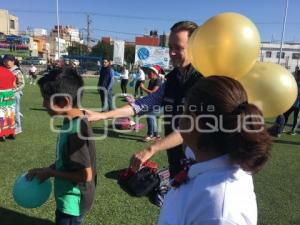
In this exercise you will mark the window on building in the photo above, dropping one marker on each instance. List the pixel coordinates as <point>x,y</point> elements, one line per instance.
<point>268,54</point>
<point>296,56</point>
<point>12,24</point>
<point>282,55</point>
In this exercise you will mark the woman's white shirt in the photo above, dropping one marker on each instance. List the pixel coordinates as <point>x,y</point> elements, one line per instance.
<point>218,193</point>
<point>124,74</point>
<point>140,75</point>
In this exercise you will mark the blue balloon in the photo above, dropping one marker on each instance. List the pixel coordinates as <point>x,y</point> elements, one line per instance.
<point>31,194</point>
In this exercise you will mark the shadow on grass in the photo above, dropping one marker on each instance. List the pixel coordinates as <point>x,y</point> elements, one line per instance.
<point>9,217</point>
<point>286,142</point>
<point>115,176</point>
<point>38,109</point>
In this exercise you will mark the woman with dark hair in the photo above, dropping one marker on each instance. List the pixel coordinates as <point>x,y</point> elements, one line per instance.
<point>226,142</point>
<point>124,80</point>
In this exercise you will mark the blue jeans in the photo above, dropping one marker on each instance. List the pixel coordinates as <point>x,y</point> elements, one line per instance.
<point>18,117</point>
<point>106,96</point>
<point>152,124</point>
<point>65,219</point>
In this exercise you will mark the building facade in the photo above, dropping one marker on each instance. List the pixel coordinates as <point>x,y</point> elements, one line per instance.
<point>59,46</point>
<point>147,40</point>
<point>290,54</point>
<point>106,40</point>
<point>9,24</point>
<point>40,32</point>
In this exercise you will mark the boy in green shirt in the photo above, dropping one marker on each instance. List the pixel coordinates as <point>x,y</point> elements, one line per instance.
<point>74,170</point>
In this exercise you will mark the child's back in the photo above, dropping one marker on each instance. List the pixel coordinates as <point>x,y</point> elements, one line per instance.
<point>75,151</point>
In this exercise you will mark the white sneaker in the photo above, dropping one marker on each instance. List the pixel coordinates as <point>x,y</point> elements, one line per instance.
<point>18,132</point>
<point>292,133</point>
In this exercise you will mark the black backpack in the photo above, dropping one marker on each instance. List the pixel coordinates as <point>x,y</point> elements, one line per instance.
<point>143,182</point>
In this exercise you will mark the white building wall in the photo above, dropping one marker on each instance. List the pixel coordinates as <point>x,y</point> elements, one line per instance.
<point>38,32</point>
<point>290,53</point>
<point>74,33</point>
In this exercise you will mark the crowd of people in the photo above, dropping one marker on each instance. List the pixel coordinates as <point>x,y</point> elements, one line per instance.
<point>215,168</point>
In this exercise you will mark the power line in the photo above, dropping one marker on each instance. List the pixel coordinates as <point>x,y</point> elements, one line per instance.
<point>94,14</point>
<point>132,17</point>
<point>117,32</point>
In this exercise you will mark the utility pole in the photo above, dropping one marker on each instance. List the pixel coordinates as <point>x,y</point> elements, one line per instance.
<point>88,30</point>
<point>58,35</point>
<point>283,30</point>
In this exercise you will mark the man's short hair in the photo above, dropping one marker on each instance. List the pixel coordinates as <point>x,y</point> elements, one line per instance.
<point>184,26</point>
<point>61,81</point>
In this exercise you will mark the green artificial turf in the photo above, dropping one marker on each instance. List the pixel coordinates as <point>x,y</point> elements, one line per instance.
<point>277,186</point>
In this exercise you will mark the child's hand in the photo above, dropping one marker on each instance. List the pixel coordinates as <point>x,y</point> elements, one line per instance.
<point>41,173</point>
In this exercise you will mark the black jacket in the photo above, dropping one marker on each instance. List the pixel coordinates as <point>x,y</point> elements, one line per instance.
<point>176,90</point>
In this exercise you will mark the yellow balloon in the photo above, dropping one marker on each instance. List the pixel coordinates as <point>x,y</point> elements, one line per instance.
<point>227,44</point>
<point>271,87</point>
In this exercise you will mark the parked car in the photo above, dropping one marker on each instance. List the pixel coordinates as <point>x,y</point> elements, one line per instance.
<point>35,61</point>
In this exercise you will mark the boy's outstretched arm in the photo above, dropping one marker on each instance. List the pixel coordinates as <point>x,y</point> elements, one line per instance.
<point>124,111</point>
<point>139,107</point>
<point>169,141</point>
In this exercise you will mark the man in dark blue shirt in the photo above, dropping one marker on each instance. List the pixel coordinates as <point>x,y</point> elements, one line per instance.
<point>105,85</point>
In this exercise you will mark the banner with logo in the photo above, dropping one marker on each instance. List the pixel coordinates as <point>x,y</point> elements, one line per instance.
<point>119,49</point>
<point>148,55</point>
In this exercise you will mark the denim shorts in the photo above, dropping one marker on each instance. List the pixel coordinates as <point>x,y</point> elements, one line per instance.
<point>65,219</point>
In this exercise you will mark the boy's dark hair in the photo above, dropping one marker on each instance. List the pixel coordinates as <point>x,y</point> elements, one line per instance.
<point>184,26</point>
<point>250,150</point>
<point>64,81</point>
<point>9,58</point>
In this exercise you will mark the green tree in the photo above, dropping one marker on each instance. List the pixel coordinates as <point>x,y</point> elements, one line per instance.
<point>129,54</point>
<point>104,50</point>
<point>77,49</point>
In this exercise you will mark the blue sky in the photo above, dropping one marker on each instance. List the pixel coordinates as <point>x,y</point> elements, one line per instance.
<point>124,18</point>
